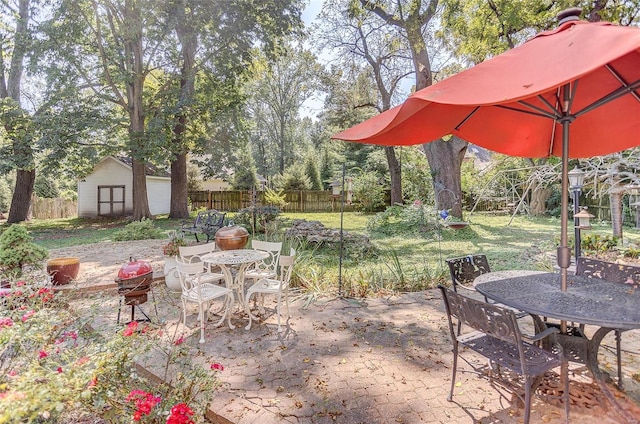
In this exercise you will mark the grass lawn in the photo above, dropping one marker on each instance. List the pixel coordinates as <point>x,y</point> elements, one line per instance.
<point>399,262</point>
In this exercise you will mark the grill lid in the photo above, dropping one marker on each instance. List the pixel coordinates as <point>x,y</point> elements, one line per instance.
<point>134,269</point>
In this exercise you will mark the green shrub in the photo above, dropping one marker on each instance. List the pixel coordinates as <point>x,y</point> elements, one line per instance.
<point>599,244</point>
<point>412,219</point>
<point>293,178</point>
<point>264,216</point>
<point>275,198</point>
<point>368,193</point>
<point>5,195</point>
<point>631,252</point>
<point>139,230</point>
<point>17,250</point>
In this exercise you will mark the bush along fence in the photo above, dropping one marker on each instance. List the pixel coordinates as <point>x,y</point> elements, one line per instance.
<point>297,200</point>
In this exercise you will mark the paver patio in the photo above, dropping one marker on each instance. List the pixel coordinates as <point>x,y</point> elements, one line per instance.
<point>376,360</point>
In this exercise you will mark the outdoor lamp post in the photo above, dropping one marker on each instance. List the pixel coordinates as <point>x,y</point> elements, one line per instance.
<point>634,201</point>
<point>576,181</point>
<point>636,205</point>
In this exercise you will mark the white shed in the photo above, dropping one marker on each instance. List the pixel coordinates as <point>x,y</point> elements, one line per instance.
<point>108,190</point>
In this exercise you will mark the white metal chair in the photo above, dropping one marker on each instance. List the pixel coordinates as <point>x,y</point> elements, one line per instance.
<point>193,254</point>
<point>266,268</point>
<point>278,287</point>
<point>194,290</point>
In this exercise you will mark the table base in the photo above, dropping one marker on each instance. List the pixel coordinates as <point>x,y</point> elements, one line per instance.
<point>578,348</point>
<point>581,394</point>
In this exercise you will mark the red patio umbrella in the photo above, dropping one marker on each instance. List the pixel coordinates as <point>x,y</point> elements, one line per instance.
<point>571,92</point>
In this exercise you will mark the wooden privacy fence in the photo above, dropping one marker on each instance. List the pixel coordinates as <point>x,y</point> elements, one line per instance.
<point>297,200</point>
<point>43,208</point>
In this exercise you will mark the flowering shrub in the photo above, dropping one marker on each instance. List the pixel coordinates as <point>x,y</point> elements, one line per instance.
<point>143,401</point>
<point>54,367</point>
<point>180,415</point>
<point>172,248</point>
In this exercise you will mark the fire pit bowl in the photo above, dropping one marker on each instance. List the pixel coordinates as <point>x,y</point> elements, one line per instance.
<point>231,237</point>
<point>63,270</point>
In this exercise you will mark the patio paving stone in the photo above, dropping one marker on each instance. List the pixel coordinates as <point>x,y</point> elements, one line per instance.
<point>377,360</point>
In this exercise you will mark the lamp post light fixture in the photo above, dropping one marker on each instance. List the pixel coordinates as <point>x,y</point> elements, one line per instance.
<point>576,181</point>
<point>583,219</point>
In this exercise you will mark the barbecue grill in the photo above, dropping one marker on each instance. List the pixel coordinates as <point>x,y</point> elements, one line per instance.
<point>134,282</point>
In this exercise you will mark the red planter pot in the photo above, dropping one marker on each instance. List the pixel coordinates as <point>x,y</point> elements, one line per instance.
<point>63,270</point>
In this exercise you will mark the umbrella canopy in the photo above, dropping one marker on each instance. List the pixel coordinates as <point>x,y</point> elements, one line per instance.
<point>570,92</point>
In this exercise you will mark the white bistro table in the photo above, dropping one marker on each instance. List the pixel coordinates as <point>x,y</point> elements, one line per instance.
<point>237,261</point>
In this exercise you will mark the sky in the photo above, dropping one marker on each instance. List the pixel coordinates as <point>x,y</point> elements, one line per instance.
<point>311,11</point>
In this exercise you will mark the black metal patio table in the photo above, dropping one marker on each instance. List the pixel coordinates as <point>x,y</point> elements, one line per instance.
<point>588,301</point>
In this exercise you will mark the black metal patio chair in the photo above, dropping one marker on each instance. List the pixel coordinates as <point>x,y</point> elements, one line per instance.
<point>616,273</point>
<point>495,335</point>
<point>465,269</point>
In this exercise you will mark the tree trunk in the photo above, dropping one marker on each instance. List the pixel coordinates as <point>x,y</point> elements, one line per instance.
<point>282,143</point>
<point>615,199</point>
<point>21,200</point>
<point>135,86</point>
<point>445,161</point>
<point>539,196</point>
<point>444,157</point>
<point>179,190</point>
<point>25,178</point>
<point>395,173</point>
<point>140,199</point>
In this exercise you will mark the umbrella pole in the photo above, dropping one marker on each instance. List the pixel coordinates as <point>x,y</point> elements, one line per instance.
<point>564,254</point>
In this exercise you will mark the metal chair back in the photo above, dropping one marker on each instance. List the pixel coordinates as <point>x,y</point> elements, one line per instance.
<point>610,271</point>
<point>465,269</point>
<point>616,273</point>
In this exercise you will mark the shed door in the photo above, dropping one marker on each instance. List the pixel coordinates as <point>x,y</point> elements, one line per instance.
<point>111,200</point>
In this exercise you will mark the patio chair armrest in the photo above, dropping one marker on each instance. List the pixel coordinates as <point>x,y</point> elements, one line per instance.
<point>466,288</point>
<point>541,335</point>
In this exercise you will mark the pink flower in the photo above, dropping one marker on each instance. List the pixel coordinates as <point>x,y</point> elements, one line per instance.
<point>45,294</point>
<point>20,283</point>
<point>59,369</point>
<point>42,354</point>
<point>131,328</point>
<point>179,341</point>
<point>71,334</point>
<point>6,322</point>
<point>27,315</point>
<point>216,366</point>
